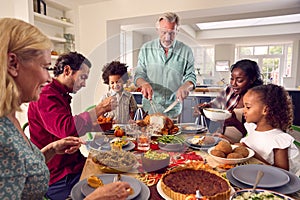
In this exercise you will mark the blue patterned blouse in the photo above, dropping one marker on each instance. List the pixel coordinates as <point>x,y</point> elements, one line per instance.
<point>23,171</point>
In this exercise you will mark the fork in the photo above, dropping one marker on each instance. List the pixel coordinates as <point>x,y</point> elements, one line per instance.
<point>117,178</point>
<point>153,106</point>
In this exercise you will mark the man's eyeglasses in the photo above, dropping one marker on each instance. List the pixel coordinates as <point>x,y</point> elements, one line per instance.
<point>169,32</point>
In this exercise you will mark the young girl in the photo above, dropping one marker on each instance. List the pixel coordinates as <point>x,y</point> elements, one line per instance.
<point>115,75</point>
<point>269,114</point>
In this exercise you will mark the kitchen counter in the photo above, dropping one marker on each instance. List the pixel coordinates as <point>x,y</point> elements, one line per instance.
<point>293,89</point>
<point>198,92</point>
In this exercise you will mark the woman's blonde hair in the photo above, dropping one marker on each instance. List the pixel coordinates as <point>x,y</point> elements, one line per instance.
<point>24,40</point>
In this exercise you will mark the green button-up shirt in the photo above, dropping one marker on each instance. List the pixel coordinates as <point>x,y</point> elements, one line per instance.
<point>165,73</point>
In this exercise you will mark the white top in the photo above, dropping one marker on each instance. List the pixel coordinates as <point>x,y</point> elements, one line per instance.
<point>264,142</point>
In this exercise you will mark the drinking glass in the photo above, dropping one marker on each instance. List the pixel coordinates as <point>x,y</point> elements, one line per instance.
<point>143,141</point>
<point>102,141</point>
<point>132,131</point>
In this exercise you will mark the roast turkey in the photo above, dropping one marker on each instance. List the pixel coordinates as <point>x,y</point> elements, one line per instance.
<point>158,123</point>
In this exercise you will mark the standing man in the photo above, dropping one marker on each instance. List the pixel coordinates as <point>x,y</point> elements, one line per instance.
<point>50,119</point>
<point>165,67</point>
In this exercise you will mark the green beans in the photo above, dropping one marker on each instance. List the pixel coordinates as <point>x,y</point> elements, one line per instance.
<point>170,139</point>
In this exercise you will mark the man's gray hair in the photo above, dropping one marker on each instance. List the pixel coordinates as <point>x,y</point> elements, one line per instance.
<point>170,17</point>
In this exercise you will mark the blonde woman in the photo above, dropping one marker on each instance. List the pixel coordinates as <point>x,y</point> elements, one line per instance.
<point>24,62</point>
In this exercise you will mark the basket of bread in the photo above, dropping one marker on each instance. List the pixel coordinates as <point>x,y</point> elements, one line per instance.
<point>225,153</point>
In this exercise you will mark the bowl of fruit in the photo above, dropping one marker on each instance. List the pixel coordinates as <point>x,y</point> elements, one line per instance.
<point>105,123</point>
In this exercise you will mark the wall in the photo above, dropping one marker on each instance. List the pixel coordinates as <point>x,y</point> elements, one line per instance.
<point>224,52</point>
<point>15,8</point>
<point>100,25</point>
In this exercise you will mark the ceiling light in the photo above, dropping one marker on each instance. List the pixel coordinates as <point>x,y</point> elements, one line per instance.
<point>250,22</point>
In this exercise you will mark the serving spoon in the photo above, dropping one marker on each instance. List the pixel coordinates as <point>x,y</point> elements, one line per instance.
<point>259,175</point>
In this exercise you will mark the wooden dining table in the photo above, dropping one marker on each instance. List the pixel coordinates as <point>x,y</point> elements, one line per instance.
<point>91,168</point>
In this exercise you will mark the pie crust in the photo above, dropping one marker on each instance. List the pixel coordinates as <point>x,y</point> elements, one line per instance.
<point>182,182</point>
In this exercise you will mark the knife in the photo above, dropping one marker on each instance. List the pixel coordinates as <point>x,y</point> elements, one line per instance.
<point>172,106</point>
<point>190,87</point>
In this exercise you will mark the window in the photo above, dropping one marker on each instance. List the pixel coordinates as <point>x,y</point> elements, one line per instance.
<point>204,60</point>
<point>275,60</point>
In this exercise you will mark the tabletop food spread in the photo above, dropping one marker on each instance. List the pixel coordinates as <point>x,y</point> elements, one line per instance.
<point>180,165</point>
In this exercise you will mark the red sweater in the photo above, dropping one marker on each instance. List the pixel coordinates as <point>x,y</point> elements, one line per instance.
<point>50,119</point>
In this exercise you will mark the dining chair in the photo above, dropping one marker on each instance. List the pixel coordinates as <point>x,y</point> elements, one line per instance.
<point>25,128</point>
<point>90,107</point>
<point>297,129</point>
<point>89,134</point>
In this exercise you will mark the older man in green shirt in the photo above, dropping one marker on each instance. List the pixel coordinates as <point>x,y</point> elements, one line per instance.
<point>165,70</point>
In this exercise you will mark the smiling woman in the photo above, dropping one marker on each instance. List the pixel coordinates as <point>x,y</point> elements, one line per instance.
<point>25,53</point>
<point>245,74</point>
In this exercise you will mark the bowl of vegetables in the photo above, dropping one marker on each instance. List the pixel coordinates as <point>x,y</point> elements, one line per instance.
<point>171,143</point>
<point>155,161</point>
<point>259,194</point>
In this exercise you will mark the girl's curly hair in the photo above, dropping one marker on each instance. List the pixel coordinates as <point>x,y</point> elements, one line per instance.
<point>114,68</point>
<point>279,104</point>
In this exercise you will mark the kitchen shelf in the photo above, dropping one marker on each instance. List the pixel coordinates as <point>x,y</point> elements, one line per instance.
<point>57,5</point>
<point>50,20</point>
<point>57,39</point>
<point>58,20</point>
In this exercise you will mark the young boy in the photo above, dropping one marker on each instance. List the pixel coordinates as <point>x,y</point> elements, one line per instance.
<point>115,75</point>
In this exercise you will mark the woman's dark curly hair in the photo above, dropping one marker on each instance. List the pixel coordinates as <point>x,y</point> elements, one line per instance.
<point>73,59</point>
<point>251,69</point>
<point>279,105</point>
<point>115,68</point>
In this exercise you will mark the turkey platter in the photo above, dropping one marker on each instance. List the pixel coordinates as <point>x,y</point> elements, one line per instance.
<point>158,123</point>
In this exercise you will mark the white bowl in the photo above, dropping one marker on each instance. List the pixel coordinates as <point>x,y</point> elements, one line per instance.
<point>258,191</point>
<point>231,161</point>
<point>216,114</point>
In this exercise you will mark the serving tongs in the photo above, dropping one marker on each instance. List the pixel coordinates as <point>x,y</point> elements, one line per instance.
<point>153,106</point>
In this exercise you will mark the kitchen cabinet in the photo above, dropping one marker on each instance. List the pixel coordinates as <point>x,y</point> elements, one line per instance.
<point>57,22</point>
<point>187,115</point>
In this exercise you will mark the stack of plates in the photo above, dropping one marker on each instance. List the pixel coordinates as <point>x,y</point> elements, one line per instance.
<point>275,179</point>
<point>82,189</point>
<point>191,128</point>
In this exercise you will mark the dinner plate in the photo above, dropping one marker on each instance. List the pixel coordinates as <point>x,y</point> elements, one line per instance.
<point>116,139</point>
<point>202,148</point>
<point>106,147</point>
<point>76,193</point>
<point>189,141</point>
<point>292,186</point>
<point>108,178</point>
<point>191,128</point>
<point>166,197</point>
<point>273,176</point>
<point>158,135</point>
